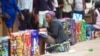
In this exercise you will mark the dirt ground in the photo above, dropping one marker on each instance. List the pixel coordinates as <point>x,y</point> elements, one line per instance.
<point>82,49</point>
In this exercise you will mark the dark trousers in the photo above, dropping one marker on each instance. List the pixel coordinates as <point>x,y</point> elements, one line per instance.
<point>58,13</point>
<point>67,14</point>
<point>26,23</point>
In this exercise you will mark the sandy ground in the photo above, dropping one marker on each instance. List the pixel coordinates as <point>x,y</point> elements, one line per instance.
<point>82,49</point>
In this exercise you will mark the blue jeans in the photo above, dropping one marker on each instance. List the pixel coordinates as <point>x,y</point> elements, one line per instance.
<point>89,28</point>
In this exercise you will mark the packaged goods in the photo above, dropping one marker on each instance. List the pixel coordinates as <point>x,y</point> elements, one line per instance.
<point>35,43</point>
<point>83,30</point>
<point>16,46</point>
<point>4,46</point>
<point>25,43</point>
<point>73,32</point>
<point>78,31</point>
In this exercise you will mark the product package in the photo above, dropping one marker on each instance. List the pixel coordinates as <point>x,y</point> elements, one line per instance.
<point>16,44</point>
<point>83,30</point>
<point>4,46</point>
<point>27,43</point>
<point>24,43</point>
<point>35,43</point>
<point>73,32</point>
<point>78,31</point>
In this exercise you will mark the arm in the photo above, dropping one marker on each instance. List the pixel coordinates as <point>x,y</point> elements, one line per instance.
<point>55,29</point>
<point>3,6</point>
<point>16,7</point>
<point>94,17</point>
<point>73,5</point>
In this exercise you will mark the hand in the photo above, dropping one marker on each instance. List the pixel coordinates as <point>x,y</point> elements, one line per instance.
<point>6,16</point>
<point>22,17</point>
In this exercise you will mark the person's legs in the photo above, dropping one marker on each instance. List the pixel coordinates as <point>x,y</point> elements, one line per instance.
<point>90,29</point>
<point>59,13</point>
<point>22,22</point>
<point>28,19</point>
<point>10,30</point>
<point>48,39</point>
<point>10,22</point>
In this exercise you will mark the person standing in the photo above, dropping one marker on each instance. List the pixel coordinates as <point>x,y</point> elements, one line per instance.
<point>26,7</point>
<point>67,10</point>
<point>79,7</point>
<point>9,9</point>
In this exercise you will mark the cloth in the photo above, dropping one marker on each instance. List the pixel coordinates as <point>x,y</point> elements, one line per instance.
<point>25,4</point>
<point>79,5</point>
<point>26,23</point>
<point>10,7</point>
<point>57,32</point>
<point>67,14</point>
<point>67,5</point>
<point>58,13</point>
<point>59,9</point>
<point>42,19</point>
<point>97,25</point>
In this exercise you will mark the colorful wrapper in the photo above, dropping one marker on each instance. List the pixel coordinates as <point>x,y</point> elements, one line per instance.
<point>35,43</point>
<point>4,46</point>
<point>83,30</point>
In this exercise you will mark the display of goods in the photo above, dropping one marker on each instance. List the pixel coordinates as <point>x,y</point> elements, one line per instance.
<point>83,30</point>
<point>4,46</point>
<point>61,47</point>
<point>69,28</point>
<point>25,43</point>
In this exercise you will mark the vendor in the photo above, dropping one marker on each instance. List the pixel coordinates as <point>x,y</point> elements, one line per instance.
<point>55,30</point>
